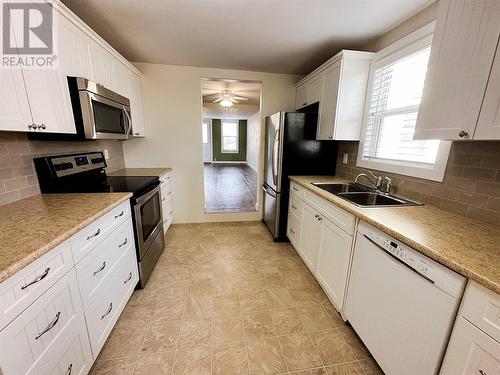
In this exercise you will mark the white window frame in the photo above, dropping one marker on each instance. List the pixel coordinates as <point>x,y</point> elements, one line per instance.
<point>411,43</point>
<point>207,124</point>
<point>237,137</point>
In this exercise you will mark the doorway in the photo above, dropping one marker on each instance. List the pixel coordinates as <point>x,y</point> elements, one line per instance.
<point>231,131</point>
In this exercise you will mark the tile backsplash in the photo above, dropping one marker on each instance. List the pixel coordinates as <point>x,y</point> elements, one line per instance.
<point>471,184</point>
<point>18,178</point>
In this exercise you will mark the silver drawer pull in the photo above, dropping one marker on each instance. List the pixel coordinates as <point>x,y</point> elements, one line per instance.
<point>295,189</point>
<point>109,310</point>
<point>163,199</point>
<point>39,278</point>
<point>70,368</point>
<point>294,207</point>
<point>98,232</point>
<point>170,213</point>
<point>100,268</point>
<point>120,214</point>
<point>49,327</point>
<point>129,278</point>
<point>292,231</point>
<point>482,372</point>
<point>123,243</point>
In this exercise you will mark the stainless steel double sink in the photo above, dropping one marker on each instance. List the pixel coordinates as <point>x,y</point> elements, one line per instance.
<point>363,196</point>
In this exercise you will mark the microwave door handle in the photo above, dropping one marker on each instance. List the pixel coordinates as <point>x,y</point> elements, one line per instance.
<point>129,121</point>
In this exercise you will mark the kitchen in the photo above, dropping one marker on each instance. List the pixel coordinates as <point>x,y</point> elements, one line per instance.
<point>386,256</point>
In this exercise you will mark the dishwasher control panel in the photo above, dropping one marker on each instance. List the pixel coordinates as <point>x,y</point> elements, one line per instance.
<point>441,276</point>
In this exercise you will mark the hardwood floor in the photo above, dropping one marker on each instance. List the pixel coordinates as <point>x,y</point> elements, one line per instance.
<point>230,188</point>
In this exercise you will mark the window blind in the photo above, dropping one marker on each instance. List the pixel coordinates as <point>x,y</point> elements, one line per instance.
<point>393,106</point>
<point>230,136</point>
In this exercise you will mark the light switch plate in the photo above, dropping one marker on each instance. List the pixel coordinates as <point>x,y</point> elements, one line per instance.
<point>345,157</point>
<point>106,154</point>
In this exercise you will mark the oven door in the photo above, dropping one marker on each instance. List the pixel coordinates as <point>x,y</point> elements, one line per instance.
<point>104,118</point>
<point>148,219</point>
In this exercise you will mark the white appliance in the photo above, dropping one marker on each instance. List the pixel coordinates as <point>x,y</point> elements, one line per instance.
<point>401,303</point>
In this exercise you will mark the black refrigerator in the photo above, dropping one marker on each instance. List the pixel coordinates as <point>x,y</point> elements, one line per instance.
<point>291,149</point>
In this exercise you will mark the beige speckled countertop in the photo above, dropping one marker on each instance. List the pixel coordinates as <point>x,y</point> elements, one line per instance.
<point>141,172</point>
<point>31,227</point>
<point>468,246</point>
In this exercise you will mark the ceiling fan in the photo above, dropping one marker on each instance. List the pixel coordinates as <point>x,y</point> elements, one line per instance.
<point>228,98</point>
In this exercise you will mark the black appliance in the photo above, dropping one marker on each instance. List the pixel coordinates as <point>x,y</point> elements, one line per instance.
<point>291,149</point>
<point>84,173</point>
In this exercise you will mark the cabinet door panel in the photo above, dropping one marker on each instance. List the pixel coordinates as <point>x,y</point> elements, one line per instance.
<point>102,66</point>
<point>488,126</point>
<point>462,53</point>
<point>334,253</point>
<point>136,105</point>
<point>301,96</point>
<point>314,89</point>
<point>471,352</point>
<point>328,103</point>
<point>15,112</point>
<point>309,234</point>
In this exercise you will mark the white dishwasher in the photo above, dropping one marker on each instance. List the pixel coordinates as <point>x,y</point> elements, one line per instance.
<point>401,303</point>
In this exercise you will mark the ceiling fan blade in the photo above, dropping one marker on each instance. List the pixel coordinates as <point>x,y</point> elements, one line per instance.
<point>218,100</point>
<point>211,96</point>
<point>240,98</point>
<point>209,89</point>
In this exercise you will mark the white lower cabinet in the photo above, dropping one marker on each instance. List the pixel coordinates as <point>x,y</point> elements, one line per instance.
<point>474,347</point>
<point>319,237</point>
<point>57,312</point>
<point>166,200</point>
<point>28,343</point>
<point>471,352</point>
<point>332,266</point>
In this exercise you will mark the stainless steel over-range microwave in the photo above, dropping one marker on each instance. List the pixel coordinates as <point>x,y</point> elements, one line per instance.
<point>99,112</point>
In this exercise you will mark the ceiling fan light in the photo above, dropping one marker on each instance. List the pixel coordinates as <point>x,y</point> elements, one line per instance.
<point>226,103</point>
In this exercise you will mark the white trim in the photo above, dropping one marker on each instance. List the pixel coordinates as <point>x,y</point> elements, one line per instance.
<point>405,46</point>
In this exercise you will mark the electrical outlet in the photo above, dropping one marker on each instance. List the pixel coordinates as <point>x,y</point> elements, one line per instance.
<point>345,157</point>
<point>106,154</point>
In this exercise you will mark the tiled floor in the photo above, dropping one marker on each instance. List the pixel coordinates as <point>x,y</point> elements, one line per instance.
<point>230,188</point>
<point>224,299</point>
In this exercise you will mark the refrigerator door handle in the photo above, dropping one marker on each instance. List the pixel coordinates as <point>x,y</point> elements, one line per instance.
<point>268,191</point>
<point>275,158</point>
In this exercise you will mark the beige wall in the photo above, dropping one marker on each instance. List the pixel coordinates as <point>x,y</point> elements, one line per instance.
<point>254,125</point>
<point>172,113</point>
<point>413,23</point>
<point>17,174</point>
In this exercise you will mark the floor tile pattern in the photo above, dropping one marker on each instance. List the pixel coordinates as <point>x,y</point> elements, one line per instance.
<point>225,299</point>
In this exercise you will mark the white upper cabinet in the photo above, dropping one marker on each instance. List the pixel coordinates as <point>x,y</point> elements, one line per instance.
<point>462,53</point>
<point>101,62</point>
<point>74,48</point>
<point>136,108</point>
<point>122,79</point>
<point>339,85</point>
<point>15,112</point>
<point>488,126</point>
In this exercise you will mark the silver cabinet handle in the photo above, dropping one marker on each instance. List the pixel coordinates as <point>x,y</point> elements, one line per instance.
<point>463,134</point>
<point>120,214</point>
<point>42,126</point>
<point>123,243</point>
<point>318,217</point>
<point>98,232</point>
<point>129,278</point>
<point>109,310</point>
<point>49,327</point>
<point>295,189</point>
<point>137,133</point>
<point>170,213</point>
<point>39,278</point>
<point>70,368</point>
<point>163,199</point>
<point>100,268</point>
<point>292,231</point>
<point>482,372</point>
<point>294,207</point>
<point>32,126</point>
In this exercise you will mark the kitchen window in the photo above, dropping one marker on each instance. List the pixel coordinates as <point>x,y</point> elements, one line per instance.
<point>396,82</point>
<point>230,136</point>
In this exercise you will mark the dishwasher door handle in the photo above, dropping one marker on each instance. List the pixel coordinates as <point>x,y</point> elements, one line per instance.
<point>399,260</point>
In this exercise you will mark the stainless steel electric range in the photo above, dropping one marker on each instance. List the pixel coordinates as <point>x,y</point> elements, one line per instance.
<point>85,173</point>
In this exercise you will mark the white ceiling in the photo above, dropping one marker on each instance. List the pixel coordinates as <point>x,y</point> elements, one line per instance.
<point>285,36</point>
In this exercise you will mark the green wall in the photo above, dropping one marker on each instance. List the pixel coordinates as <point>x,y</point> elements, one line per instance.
<point>216,142</point>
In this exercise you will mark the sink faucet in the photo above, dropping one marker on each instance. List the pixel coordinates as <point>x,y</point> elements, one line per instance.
<point>388,184</point>
<point>376,184</point>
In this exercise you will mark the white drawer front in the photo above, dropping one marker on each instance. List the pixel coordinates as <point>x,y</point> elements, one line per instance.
<point>166,178</point>
<point>343,219</point>
<point>166,190</point>
<point>295,206</point>
<point>20,290</point>
<point>41,328</point>
<point>95,270</point>
<point>482,308</point>
<point>73,356</point>
<point>296,189</point>
<point>93,234</point>
<point>103,314</point>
